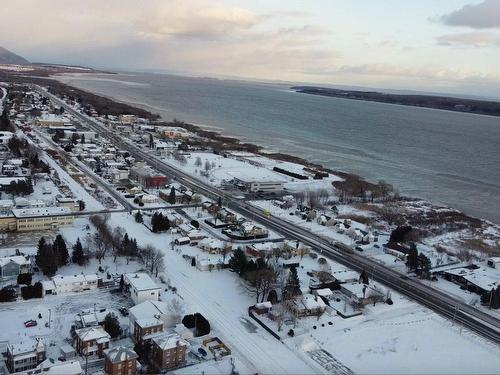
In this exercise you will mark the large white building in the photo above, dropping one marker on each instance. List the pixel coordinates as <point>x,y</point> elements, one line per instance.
<point>141,287</point>
<point>42,218</point>
<point>259,181</point>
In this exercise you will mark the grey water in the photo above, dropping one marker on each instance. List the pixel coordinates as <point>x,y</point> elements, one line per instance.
<point>447,157</point>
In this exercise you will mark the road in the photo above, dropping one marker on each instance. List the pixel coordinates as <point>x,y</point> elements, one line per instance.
<point>445,305</point>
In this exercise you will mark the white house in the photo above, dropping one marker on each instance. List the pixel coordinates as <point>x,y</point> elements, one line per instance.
<point>151,309</point>
<point>141,287</point>
<point>70,284</point>
<point>494,262</point>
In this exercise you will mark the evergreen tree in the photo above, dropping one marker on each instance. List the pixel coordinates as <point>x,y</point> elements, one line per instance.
<point>292,287</point>
<point>81,205</point>
<point>412,258</point>
<point>425,266</point>
<point>171,197</point>
<point>45,258</point>
<point>112,325</point>
<point>82,139</point>
<point>60,250</point>
<point>138,217</point>
<point>78,256</point>
<point>492,298</point>
<point>238,262</point>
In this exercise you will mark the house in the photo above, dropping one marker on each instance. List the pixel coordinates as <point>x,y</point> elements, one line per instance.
<point>120,361</point>
<point>28,219</point>
<point>91,341</point>
<point>494,262</point>
<point>182,241</point>
<point>361,293</point>
<point>14,265</point>
<point>248,229</point>
<point>57,367</point>
<point>398,250</point>
<point>146,328</point>
<point>262,249</point>
<point>262,307</point>
<point>207,263</point>
<point>59,284</point>
<point>25,355</point>
<point>308,305</point>
<point>148,310</point>
<point>214,246</point>
<point>226,216</point>
<point>141,287</point>
<point>169,351</point>
<point>51,120</point>
<point>172,132</point>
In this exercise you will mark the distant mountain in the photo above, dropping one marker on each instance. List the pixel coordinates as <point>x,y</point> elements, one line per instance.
<point>7,57</point>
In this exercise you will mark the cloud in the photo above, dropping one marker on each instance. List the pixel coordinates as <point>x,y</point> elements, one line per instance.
<point>479,16</point>
<point>475,39</point>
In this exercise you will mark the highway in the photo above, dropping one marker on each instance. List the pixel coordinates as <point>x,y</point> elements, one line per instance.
<point>467,316</point>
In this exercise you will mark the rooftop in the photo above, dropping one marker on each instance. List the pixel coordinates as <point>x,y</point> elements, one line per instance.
<point>140,281</point>
<point>42,211</point>
<point>120,354</point>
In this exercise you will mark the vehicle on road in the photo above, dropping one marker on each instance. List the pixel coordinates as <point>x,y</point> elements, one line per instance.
<point>30,323</point>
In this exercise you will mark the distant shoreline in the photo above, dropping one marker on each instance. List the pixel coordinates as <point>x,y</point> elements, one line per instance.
<point>447,103</point>
<point>218,139</point>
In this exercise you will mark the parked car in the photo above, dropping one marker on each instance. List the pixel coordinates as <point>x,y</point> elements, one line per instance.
<point>30,323</point>
<point>358,248</point>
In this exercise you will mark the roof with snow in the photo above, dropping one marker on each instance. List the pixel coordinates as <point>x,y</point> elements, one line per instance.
<point>149,309</point>
<point>92,333</point>
<point>19,259</point>
<point>140,281</point>
<point>42,211</point>
<point>170,341</point>
<point>120,354</point>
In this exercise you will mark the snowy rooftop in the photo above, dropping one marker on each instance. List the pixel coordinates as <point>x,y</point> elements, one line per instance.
<point>92,333</point>
<point>170,341</point>
<point>19,259</point>
<point>63,368</point>
<point>120,354</point>
<point>256,175</point>
<point>43,211</point>
<point>140,281</point>
<point>148,309</point>
<point>148,322</point>
<point>26,346</point>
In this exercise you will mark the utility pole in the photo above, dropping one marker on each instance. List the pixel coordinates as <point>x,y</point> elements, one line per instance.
<point>50,314</point>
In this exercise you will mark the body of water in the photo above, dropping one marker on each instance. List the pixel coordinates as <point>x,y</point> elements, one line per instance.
<point>447,157</point>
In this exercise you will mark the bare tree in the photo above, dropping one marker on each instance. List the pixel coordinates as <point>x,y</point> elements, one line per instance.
<point>100,247</point>
<point>300,197</point>
<point>158,262</point>
<point>313,200</point>
<point>176,308</point>
<point>260,282</point>
<point>323,196</point>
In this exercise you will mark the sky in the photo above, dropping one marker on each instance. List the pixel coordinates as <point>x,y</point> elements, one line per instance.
<point>431,45</point>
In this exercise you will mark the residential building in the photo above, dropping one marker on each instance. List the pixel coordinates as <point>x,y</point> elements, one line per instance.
<point>25,355</point>
<point>56,367</point>
<point>151,310</point>
<point>91,341</point>
<point>120,361</point>
<point>308,305</point>
<point>29,219</point>
<point>147,328</point>
<point>169,351</point>
<point>70,284</point>
<point>141,287</point>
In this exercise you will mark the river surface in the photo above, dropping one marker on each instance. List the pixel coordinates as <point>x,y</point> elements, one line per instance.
<point>447,157</point>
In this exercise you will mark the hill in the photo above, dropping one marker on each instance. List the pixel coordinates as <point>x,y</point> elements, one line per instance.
<point>8,57</point>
